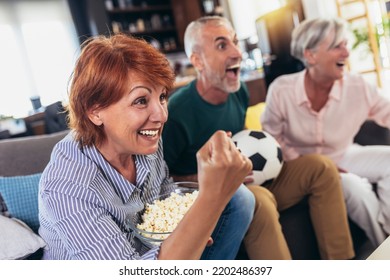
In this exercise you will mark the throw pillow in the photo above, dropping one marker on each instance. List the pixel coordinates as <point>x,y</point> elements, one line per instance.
<point>253,114</point>
<point>3,207</point>
<point>20,194</point>
<point>17,240</point>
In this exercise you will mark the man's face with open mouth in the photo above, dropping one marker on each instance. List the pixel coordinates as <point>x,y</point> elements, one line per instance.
<point>221,58</point>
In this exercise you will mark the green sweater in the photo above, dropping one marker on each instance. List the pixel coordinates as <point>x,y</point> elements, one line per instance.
<point>192,121</point>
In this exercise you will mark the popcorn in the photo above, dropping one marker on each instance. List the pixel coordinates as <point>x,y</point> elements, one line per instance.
<point>162,216</point>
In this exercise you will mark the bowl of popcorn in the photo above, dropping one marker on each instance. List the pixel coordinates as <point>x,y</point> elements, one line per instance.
<point>160,218</point>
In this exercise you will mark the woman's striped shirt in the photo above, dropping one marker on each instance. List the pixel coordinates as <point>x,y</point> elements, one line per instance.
<point>84,203</point>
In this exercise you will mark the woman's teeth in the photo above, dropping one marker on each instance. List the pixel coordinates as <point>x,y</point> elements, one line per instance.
<point>149,132</point>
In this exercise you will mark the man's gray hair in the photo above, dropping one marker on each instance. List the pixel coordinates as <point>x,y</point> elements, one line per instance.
<point>310,33</point>
<point>193,33</point>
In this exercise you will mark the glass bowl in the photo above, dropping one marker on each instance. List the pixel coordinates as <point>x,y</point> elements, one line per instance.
<point>170,217</point>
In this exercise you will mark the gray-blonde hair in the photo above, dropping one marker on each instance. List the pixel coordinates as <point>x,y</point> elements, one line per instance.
<point>310,33</point>
<point>193,33</point>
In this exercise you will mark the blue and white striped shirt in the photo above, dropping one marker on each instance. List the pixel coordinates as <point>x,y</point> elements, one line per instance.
<point>84,203</point>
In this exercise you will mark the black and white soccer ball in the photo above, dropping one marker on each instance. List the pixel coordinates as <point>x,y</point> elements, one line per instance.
<point>264,152</point>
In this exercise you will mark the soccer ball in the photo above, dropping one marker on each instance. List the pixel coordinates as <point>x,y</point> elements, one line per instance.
<point>264,152</point>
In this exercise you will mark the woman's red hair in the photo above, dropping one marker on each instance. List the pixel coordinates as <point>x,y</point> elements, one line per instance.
<point>101,78</point>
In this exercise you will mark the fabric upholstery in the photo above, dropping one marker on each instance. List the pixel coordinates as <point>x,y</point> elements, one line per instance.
<point>20,194</point>
<point>17,240</point>
<point>253,113</point>
<point>3,207</point>
<point>27,155</point>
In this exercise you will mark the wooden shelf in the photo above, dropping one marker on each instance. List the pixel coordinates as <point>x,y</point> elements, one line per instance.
<point>154,21</point>
<point>153,31</point>
<point>174,16</point>
<point>35,123</point>
<point>351,19</point>
<point>346,2</point>
<point>371,33</point>
<point>152,8</point>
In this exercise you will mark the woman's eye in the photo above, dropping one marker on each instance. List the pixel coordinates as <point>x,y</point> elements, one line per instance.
<point>163,97</point>
<point>343,44</point>
<point>140,101</point>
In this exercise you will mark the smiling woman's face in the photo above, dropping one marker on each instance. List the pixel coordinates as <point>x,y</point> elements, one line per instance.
<point>134,124</point>
<point>328,61</point>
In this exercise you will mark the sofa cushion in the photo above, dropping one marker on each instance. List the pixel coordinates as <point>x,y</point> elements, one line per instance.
<point>252,118</point>
<point>372,134</point>
<point>17,240</point>
<point>3,207</point>
<point>27,155</point>
<point>20,194</point>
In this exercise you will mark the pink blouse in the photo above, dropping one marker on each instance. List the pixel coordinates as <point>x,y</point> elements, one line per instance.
<point>300,130</point>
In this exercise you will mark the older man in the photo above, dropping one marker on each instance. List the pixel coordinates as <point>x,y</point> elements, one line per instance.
<point>218,100</point>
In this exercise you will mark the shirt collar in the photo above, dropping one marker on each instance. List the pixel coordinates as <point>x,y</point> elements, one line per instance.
<point>121,185</point>
<point>301,97</point>
<point>335,92</point>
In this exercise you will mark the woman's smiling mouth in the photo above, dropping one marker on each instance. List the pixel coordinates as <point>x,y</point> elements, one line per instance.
<point>149,132</point>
